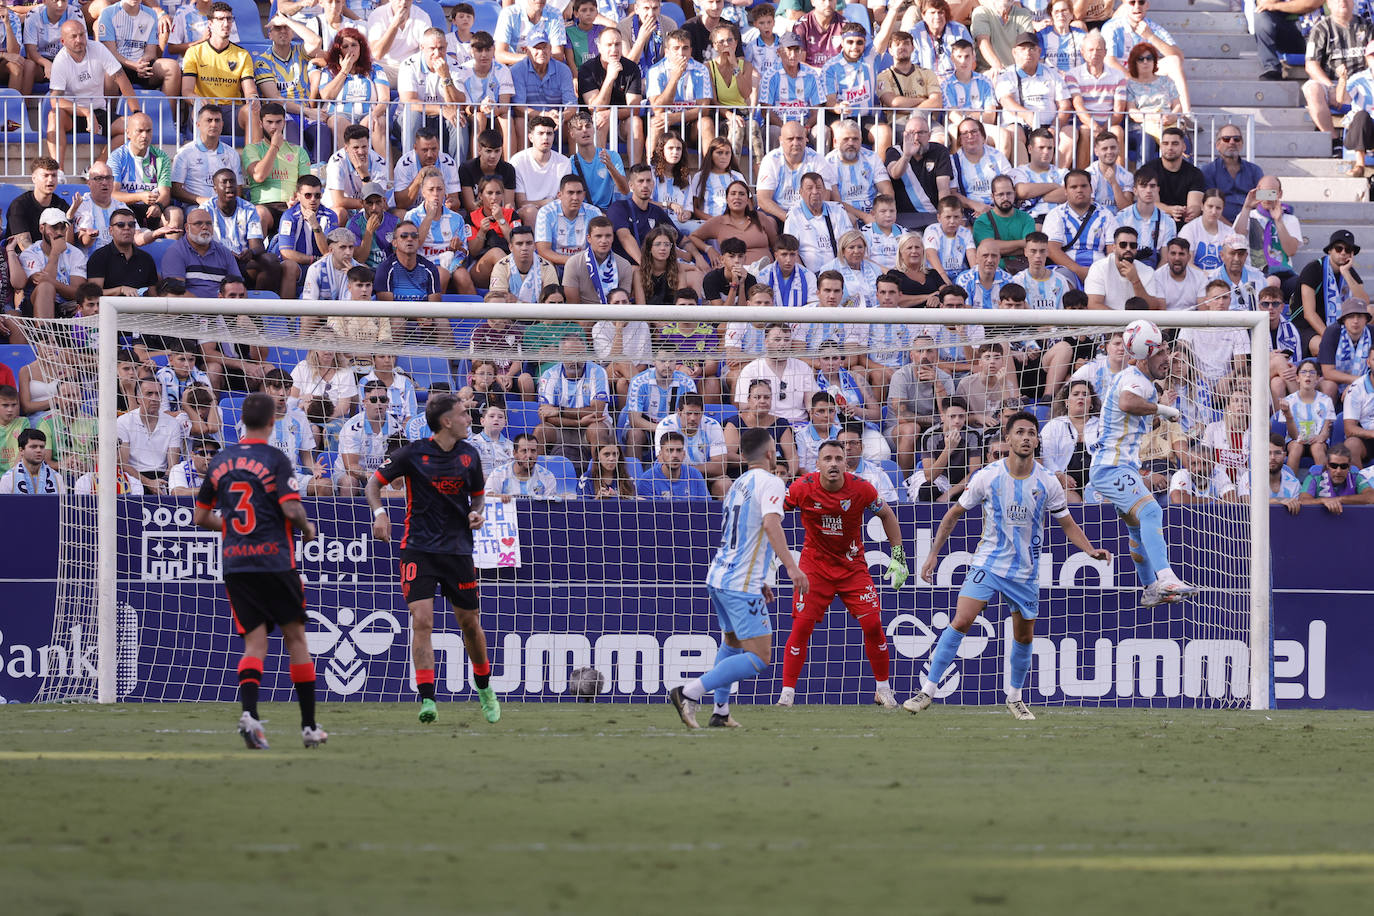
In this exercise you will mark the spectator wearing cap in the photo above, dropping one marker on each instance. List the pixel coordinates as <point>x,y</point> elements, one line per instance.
<point>1357,407</point>
<point>394,29</point>
<point>1277,32</point>
<point>1335,52</point>
<point>50,269</point>
<point>1358,92</point>
<point>430,96</point>
<point>239,229</point>
<point>198,260</point>
<point>1345,345</point>
<point>543,85</point>
<point>1245,281</point>
<point>794,91</point>
<point>1323,286</point>
<point>995,26</point>
<point>522,23</point>
<point>373,226</point>
<point>186,476</point>
<point>272,166</point>
<point>1033,95</point>
<point>121,268</point>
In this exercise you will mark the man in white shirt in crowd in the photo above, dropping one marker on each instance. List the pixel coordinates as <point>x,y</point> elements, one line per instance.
<point>860,171</point>
<point>327,278</point>
<point>1178,281</point>
<point>423,153</point>
<point>52,267</point>
<point>350,169</point>
<point>364,438</point>
<point>429,95</point>
<point>1245,281</point>
<point>185,479</point>
<point>150,438</point>
<point>393,34</point>
<point>704,438</point>
<point>195,164</point>
<point>130,31</point>
<point>1033,95</point>
<point>780,172</point>
<point>1153,227</point>
<point>1117,277</point>
<point>522,475</point>
<point>817,222</point>
<point>560,227</point>
<point>77,90</point>
<point>538,170</point>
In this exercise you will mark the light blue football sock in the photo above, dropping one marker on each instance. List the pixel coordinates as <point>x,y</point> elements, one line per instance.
<point>1020,663</point>
<point>1143,570</point>
<point>722,695</point>
<point>1152,539</point>
<point>735,668</point>
<point>945,650</point>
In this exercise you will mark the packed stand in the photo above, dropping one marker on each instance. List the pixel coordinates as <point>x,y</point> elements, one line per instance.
<point>972,156</point>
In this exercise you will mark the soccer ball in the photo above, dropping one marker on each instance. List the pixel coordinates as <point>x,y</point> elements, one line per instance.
<point>585,683</point>
<point>1142,338</point>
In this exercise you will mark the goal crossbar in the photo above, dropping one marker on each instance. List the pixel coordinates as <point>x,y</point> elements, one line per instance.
<point>1256,323</point>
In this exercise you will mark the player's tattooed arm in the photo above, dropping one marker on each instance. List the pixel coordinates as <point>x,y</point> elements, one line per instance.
<point>295,514</point>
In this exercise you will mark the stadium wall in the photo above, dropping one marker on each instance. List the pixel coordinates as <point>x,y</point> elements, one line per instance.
<point>617,585</point>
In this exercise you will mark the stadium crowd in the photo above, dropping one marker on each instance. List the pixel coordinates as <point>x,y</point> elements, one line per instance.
<point>619,152</point>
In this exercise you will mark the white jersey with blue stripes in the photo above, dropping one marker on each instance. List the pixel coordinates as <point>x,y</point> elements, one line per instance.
<point>1122,432</point>
<point>746,557</point>
<point>1014,510</point>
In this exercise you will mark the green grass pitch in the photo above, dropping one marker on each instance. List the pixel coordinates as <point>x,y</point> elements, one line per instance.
<point>605,809</point>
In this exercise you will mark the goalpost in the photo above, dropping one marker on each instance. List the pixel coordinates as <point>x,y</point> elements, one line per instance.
<point>617,583</point>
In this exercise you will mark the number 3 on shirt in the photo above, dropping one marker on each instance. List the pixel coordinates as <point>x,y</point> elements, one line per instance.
<point>244,507</point>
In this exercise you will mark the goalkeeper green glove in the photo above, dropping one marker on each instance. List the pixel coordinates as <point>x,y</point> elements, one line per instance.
<point>896,567</point>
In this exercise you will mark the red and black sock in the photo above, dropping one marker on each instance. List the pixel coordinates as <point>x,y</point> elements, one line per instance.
<point>424,682</point>
<point>250,679</point>
<point>303,678</point>
<point>481,675</point>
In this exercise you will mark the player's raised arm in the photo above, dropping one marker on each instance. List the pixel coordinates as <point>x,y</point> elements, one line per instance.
<point>1078,538</point>
<point>772,528</point>
<point>952,516</point>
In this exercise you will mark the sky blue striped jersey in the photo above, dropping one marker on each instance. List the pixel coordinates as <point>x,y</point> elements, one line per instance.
<point>745,556</point>
<point>1014,510</point>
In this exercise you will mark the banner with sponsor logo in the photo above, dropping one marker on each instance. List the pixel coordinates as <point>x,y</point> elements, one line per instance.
<point>618,586</point>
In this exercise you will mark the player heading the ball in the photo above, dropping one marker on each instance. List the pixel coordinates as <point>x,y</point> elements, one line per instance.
<point>1129,408</point>
<point>833,504</point>
<point>253,484</point>
<point>751,540</point>
<point>1015,493</point>
<point>444,497</point>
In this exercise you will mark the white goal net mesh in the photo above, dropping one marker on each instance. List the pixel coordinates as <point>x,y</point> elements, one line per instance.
<point>595,555</point>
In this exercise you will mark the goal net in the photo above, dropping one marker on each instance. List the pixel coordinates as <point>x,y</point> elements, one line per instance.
<point>595,556</point>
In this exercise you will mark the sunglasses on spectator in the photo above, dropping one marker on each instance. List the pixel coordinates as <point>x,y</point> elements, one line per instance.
<point>381,400</point>
<point>1150,57</point>
<point>1128,245</point>
<point>123,224</point>
<point>1340,249</point>
<point>1230,139</point>
<point>1337,467</point>
<point>207,452</point>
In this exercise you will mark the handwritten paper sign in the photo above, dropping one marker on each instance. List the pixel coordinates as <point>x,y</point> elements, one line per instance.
<point>496,544</point>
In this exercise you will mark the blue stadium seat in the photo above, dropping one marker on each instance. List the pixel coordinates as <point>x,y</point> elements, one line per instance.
<point>521,416</point>
<point>156,249</point>
<point>462,331</point>
<point>721,412</point>
<point>1041,411</point>
<point>230,414</point>
<point>459,297</point>
<point>424,371</point>
<point>285,357</point>
<point>248,19</point>
<point>12,108</point>
<point>674,12</point>
<point>856,12</point>
<point>633,467</point>
<point>66,191</point>
<point>485,16</point>
<point>16,357</point>
<point>262,294</point>
<point>563,470</point>
<point>436,13</point>
<point>157,106</point>
<point>8,192</point>
<point>898,479</point>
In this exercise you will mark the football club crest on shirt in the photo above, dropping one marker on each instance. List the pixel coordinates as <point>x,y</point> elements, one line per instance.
<point>844,505</point>
<point>233,65</point>
<point>465,459</point>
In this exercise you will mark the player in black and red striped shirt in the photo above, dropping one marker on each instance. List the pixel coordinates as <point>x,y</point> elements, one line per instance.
<point>444,495</point>
<point>254,486</point>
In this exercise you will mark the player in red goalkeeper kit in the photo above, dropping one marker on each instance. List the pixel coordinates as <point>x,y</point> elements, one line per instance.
<point>833,504</point>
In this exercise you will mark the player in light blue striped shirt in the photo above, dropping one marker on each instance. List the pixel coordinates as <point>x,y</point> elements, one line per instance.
<point>751,541</point>
<point>1129,407</point>
<point>1016,494</point>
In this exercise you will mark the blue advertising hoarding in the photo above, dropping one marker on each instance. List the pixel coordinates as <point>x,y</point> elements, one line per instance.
<point>617,585</point>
